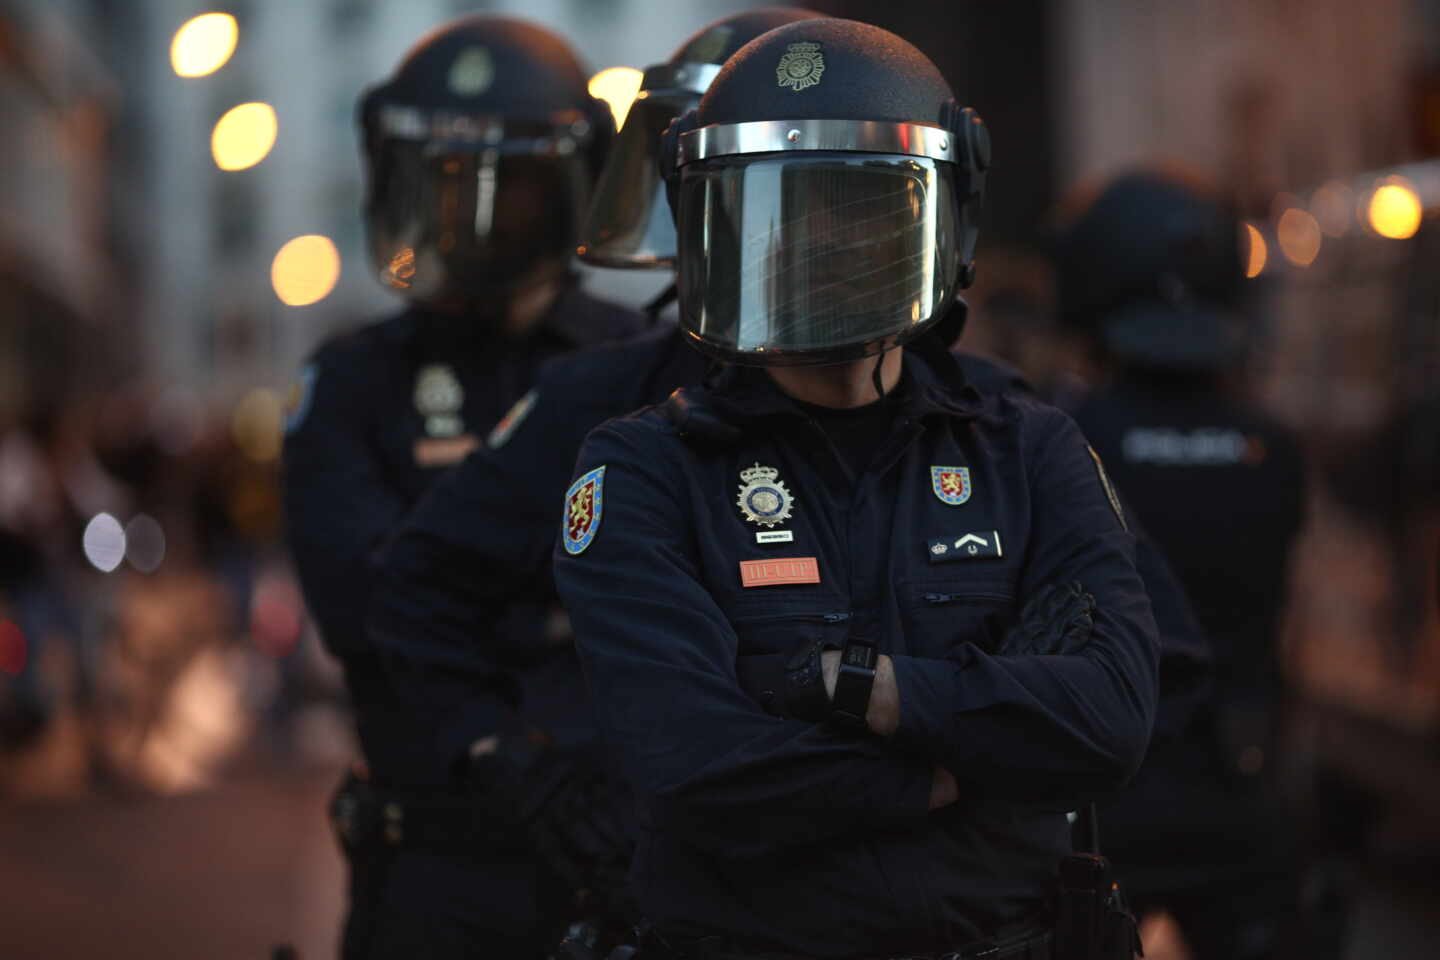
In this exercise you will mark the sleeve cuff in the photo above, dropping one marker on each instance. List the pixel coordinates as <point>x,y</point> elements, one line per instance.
<point>929,692</point>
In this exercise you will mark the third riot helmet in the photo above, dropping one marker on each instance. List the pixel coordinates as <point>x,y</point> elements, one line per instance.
<point>481,150</point>
<point>827,193</point>
<point>1150,267</point>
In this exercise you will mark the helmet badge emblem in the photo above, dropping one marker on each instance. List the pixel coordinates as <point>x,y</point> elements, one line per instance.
<point>472,72</point>
<point>763,498</point>
<point>439,398</point>
<point>801,66</point>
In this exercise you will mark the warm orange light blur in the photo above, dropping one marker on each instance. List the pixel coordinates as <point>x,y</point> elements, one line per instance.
<point>204,44</point>
<point>243,136</point>
<point>1256,252</point>
<point>305,270</point>
<point>1331,206</point>
<point>1395,210</point>
<point>255,425</point>
<point>1299,237</point>
<point>617,86</point>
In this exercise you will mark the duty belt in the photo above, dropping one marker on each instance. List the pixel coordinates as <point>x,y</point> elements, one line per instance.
<point>445,821</point>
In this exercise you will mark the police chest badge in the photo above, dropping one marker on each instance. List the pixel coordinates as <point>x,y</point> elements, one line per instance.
<point>763,497</point>
<point>439,397</point>
<point>584,504</point>
<point>801,67</point>
<point>951,484</point>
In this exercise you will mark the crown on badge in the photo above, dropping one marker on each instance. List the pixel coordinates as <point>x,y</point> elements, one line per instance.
<point>805,47</point>
<point>758,473</point>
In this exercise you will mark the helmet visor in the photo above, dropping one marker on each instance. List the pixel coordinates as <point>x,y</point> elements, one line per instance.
<point>814,258</point>
<point>449,222</point>
<point>630,223</point>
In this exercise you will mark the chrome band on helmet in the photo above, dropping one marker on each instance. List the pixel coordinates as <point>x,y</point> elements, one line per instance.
<point>560,134</point>
<point>777,136</point>
<point>692,78</point>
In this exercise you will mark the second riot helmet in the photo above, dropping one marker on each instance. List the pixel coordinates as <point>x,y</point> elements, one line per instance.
<point>481,151</point>
<point>629,224</point>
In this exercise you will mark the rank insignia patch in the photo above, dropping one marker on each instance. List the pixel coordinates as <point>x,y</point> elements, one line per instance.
<point>584,504</point>
<point>763,498</point>
<point>508,423</point>
<point>297,402</point>
<point>800,67</point>
<point>951,484</point>
<point>984,545</point>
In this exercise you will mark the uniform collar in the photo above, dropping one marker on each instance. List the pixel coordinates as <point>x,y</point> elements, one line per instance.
<point>739,397</point>
<point>932,385</point>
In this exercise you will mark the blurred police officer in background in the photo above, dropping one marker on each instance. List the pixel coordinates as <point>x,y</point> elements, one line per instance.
<point>481,151</point>
<point>810,597</point>
<point>1149,272</point>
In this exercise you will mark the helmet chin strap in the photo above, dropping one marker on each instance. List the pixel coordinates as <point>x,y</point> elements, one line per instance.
<point>875,376</point>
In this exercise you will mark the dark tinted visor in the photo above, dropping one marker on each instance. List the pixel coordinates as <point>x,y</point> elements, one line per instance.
<point>630,224</point>
<point>448,218</point>
<point>814,257</point>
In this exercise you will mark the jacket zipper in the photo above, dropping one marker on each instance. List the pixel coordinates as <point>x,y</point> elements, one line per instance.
<point>779,617</point>
<point>938,599</point>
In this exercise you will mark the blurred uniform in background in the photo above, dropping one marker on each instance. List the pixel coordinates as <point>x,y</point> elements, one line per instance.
<point>481,151</point>
<point>1149,271</point>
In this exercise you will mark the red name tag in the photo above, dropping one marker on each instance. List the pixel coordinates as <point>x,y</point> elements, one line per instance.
<point>770,573</point>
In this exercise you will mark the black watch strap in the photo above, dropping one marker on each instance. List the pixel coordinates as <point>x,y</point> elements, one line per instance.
<point>853,684</point>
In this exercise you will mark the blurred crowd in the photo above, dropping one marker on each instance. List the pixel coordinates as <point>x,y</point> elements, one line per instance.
<point>151,634</point>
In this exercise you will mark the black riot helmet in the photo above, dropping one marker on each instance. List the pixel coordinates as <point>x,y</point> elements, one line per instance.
<point>629,223</point>
<point>481,150</point>
<point>1150,267</point>
<point>827,193</point>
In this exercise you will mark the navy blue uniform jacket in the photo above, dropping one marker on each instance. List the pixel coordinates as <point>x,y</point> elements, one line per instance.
<point>786,834</point>
<point>357,458</point>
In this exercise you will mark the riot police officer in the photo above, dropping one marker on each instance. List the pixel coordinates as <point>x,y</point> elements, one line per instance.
<point>480,150</point>
<point>1150,273</point>
<point>793,599</point>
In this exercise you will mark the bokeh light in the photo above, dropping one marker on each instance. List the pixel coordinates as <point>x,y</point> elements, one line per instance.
<point>244,136</point>
<point>1395,210</point>
<point>1331,205</point>
<point>1256,252</point>
<point>13,648</point>
<point>617,86</point>
<point>305,270</point>
<point>144,543</point>
<point>276,616</point>
<point>204,44</point>
<point>1299,237</point>
<point>104,542</point>
<point>256,425</point>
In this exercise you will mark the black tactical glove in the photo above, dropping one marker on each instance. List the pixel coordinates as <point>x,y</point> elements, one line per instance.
<point>577,816</point>
<point>1058,619</point>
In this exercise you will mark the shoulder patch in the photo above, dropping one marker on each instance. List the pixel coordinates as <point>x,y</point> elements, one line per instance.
<point>1109,488</point>
<point>513,418</point>
<point>584,506</point>
<point>299,397</point>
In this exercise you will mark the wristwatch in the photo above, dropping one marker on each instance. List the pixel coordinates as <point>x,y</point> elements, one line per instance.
<point>853,684</point>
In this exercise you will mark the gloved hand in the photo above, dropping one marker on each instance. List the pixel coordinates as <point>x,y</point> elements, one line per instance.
<point>1058,619</point>
<point>576,814</point>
